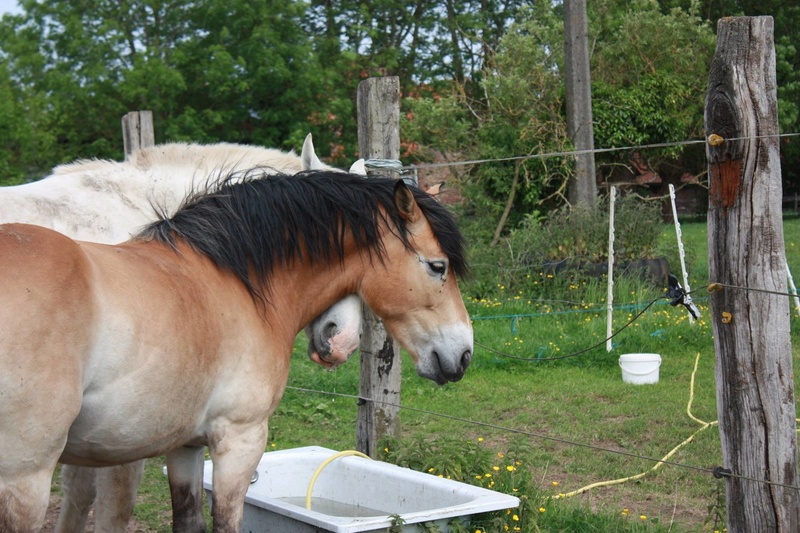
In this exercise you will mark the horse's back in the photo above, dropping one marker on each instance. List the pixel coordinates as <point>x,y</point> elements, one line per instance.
<point>106,207</point>
<point>199,160</point>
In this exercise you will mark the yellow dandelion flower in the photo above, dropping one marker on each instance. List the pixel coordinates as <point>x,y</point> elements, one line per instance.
<point>515,518</point>
<point>642,517</point>
<point>542,509</point>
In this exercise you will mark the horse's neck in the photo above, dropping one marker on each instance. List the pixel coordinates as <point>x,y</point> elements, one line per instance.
<point>307,292</point>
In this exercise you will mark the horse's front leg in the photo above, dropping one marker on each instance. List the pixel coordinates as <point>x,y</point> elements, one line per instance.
<point>235,455</point>
<point>185,471</point>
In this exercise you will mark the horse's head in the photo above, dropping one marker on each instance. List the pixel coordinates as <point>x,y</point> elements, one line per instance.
<point>418,298</point>
<point>336,333</point>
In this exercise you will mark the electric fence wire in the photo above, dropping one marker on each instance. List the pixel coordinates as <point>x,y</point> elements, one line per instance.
<point>716,472</point>
<point>567,153</point>
<point>712,287</point>
<point>601,343</point>
<point>573,354</point>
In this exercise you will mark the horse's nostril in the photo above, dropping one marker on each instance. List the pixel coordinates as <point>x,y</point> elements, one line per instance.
<point>330,330</point>
<point>466,357</point>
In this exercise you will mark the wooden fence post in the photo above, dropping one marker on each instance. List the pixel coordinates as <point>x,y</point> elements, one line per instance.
<point>378,138</point>
<point>755,389</point>
<point>137,131</point>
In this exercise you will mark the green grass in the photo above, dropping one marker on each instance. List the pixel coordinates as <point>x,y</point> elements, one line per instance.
<point>568,423</point>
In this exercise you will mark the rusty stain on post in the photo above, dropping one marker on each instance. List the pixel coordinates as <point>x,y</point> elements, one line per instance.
<point>725,183</point>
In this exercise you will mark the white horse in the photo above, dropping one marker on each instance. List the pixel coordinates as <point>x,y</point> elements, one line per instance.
<point>108,202</point>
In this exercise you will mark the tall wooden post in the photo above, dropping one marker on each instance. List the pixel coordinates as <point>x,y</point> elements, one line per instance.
<point>755,389</point>
<point>137,131</point>
<point>583,183</point>
<point>378,138</point>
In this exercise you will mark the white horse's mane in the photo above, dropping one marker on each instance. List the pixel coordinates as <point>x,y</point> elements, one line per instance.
<point>204,158</point>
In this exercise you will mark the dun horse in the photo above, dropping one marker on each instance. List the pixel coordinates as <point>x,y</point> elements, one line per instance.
<point>181,337</point>
<point>107,202</point>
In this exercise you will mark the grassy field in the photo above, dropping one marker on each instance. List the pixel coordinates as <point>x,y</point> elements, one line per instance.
<point>546,430</point>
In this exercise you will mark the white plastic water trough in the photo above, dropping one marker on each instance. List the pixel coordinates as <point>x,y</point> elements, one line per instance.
<point>353,494</point>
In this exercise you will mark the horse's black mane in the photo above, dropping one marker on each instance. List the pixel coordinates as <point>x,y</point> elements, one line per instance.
<point>262,221</point>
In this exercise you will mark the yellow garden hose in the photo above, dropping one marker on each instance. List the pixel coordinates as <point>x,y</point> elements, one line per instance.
<point>325,463</point>
<point>705,425</point>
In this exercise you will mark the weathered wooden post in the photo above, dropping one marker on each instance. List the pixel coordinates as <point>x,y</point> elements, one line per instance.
<point>378,138</point>
<point>755,389</point>
<point>137,131</point>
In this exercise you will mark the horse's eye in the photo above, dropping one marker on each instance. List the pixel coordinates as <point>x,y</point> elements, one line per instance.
<point>438,267</point>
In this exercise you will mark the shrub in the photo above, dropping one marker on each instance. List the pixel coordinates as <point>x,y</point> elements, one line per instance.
<point>546,257</point>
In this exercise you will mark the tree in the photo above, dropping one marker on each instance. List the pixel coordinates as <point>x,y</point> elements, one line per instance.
<point>649,80</point>
<point>238,71</point>
<point>516,110</point>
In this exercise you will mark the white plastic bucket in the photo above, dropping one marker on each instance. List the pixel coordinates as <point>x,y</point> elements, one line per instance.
<point>640,368</point>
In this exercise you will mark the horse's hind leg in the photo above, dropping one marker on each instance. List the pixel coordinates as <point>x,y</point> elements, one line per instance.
<point>116,496</point>
<point>24,500</point>
<point>185,470</point>
<point>78,486</point>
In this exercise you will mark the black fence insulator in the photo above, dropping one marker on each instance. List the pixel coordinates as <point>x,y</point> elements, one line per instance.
<point>720,472</point>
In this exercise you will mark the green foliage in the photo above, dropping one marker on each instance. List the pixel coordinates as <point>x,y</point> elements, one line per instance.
<point>651,111</point>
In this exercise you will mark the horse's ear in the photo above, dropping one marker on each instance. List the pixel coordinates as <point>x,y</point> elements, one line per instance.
<point>358,167</point>
<point>308,157</point>
<point>435,189</point>
<point>406,205</point>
